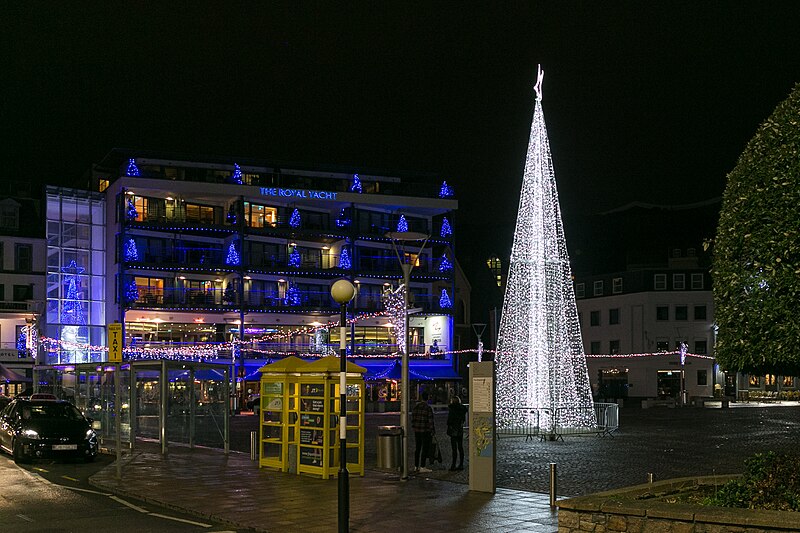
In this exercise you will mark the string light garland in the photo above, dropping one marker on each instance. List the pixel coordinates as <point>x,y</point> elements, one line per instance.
<point>446,230</point>
<point>356,186</point>
<point>541,364</point>
<point>395,305</point>
<point>132,169</point>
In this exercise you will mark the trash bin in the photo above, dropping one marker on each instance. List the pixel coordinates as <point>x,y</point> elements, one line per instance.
<point>390,444</point>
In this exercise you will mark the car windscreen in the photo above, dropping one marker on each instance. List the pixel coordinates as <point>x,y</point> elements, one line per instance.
<point>50,410</point>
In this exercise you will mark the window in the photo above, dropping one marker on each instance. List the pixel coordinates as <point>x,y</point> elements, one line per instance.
<point>102,185</point>
<point>202,214</point>
<point>702,377</point>
<point>616,285</point>
<point>660,282</point>
<point>23,260</point>
<point>613,347</point>
<point>2,292</point>
<point>662,312</point>
<point>23,292</point>
<point>9,215</point>
<point>701,347</point>
<point>699,312</point>
<point>260,216</point>
<point>580,290</point>
<point>788,381</point>
<point>755,381</point>
<point>598,288</point>
<point>697,282</point>
<point>769,379</point>
<point>613,316</point>
<point>678,282</point>
<point>594,347</point>
<point>681,312</point>
<point>2,265</point>
<point>594,318</point>
<point>662,346</point>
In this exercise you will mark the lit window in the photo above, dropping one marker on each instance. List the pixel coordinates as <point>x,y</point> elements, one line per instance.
<point>102,185</point>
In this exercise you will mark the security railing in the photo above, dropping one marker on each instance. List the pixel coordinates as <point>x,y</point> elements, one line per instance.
<point>600,419</point>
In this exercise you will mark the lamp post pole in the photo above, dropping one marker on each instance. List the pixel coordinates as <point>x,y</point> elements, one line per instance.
<point>342,292</point>
<point>407,266</point>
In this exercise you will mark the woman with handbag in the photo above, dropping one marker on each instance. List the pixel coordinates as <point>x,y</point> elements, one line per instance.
<point>456,415</point>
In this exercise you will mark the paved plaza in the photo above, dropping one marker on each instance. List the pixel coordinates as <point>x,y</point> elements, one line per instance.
<point>666,442</point>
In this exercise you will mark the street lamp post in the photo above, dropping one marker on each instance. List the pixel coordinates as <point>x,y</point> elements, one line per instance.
<point>342,292</point>
<point>402,237</point>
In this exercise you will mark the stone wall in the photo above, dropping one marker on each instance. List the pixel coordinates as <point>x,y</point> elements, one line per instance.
<point>640,509</point>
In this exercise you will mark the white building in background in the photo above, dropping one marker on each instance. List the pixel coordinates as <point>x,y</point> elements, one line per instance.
<point>633,324</point>
<point>22,288</point>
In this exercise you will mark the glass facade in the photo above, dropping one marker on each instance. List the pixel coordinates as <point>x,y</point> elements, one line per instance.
<point>76,276</point>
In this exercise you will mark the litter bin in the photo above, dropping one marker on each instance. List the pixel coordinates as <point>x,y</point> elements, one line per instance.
<point>390,444</point>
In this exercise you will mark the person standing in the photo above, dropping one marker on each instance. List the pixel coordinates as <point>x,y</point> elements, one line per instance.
<point>456,415</point>
<point>422,424</point>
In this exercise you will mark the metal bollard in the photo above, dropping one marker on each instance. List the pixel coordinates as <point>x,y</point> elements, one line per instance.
<point>552,484</point>
<point>649,477</point>
<point>253,445</point>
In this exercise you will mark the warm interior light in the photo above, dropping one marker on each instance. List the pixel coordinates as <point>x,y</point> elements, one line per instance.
<point>181,277</point>
<point>218,280</point>
<point>247,277</point>
<point>281,280</point>
<point>326,247</point>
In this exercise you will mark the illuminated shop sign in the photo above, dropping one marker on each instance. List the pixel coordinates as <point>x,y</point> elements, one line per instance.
<point>298,193</point>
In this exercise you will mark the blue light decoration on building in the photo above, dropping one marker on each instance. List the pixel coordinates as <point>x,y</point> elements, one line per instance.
<point>231,217</point>
<point>343,220</point>
<point>294,258</point>
<point>444,300</point>
<point>22,342</point>
<point>356,186</point>
<point>236,177</point>
<point>131,291</point>
<point>446,191</point>
<point>132,169</point>
<point>446,229</point>
<point>131,253</point>
<point>445,265</point>
<point>402,224</point>
<point>72,310</point>
<point>293,296</point>
<point>233,258</point>
<point>344,259</point>
<point>294,220</point>
<point>131,212</point>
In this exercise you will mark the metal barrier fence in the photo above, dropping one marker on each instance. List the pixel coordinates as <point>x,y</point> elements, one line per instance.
<point>601,419</point>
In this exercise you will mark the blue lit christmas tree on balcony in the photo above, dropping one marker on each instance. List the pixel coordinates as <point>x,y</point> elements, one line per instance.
<point>444,300</point>
<point>131,291</point>
<point>294,258</point>
<point>233,258</point>
<point>402,224</point>
<point>131,212</point>
<point>343,220</point>
<point>446,229</point>
<point>294,220</point>
<point>131,253</point>
<point>446,191</point>
<point>344,259</point>
<point>356,186</point>
<point>236,177</point>
<point>73,319</point>
<point>445,265</point>
<point>132,169</point>
<point>293,296</point>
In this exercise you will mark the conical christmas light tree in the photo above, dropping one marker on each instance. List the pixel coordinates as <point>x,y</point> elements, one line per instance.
<point>540,362</point>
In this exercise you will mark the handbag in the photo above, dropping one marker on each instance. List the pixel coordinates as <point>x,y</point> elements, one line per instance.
<point>435,453</point>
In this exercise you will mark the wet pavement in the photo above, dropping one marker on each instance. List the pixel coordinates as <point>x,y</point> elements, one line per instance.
<point>665,442</point>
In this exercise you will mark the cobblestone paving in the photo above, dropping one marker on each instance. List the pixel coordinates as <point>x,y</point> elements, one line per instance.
<point>666,442</point>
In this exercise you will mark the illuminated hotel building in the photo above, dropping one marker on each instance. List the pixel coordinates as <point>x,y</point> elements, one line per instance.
<point>194,246</point>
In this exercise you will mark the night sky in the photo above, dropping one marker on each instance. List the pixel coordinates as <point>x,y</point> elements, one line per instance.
<point>642,104</point>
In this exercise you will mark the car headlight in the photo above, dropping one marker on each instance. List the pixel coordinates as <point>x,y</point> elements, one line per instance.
<point>30,434</point>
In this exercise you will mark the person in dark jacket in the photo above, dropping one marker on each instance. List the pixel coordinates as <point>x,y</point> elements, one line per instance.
<point>422,424</point>
<point>456,415</point>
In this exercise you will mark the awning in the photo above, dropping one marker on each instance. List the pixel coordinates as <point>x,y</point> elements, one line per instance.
<point>9,376</point>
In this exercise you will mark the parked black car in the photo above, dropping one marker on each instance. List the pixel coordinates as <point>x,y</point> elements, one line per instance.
<point>31,429</point>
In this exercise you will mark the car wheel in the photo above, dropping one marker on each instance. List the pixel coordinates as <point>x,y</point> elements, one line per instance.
<point>19,456</point>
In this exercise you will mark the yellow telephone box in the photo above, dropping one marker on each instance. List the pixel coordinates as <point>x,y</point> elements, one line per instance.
<point>278,411</point>
<point>300,406</point>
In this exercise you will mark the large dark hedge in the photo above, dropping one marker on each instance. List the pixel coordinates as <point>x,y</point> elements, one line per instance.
<point>756,266</point>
